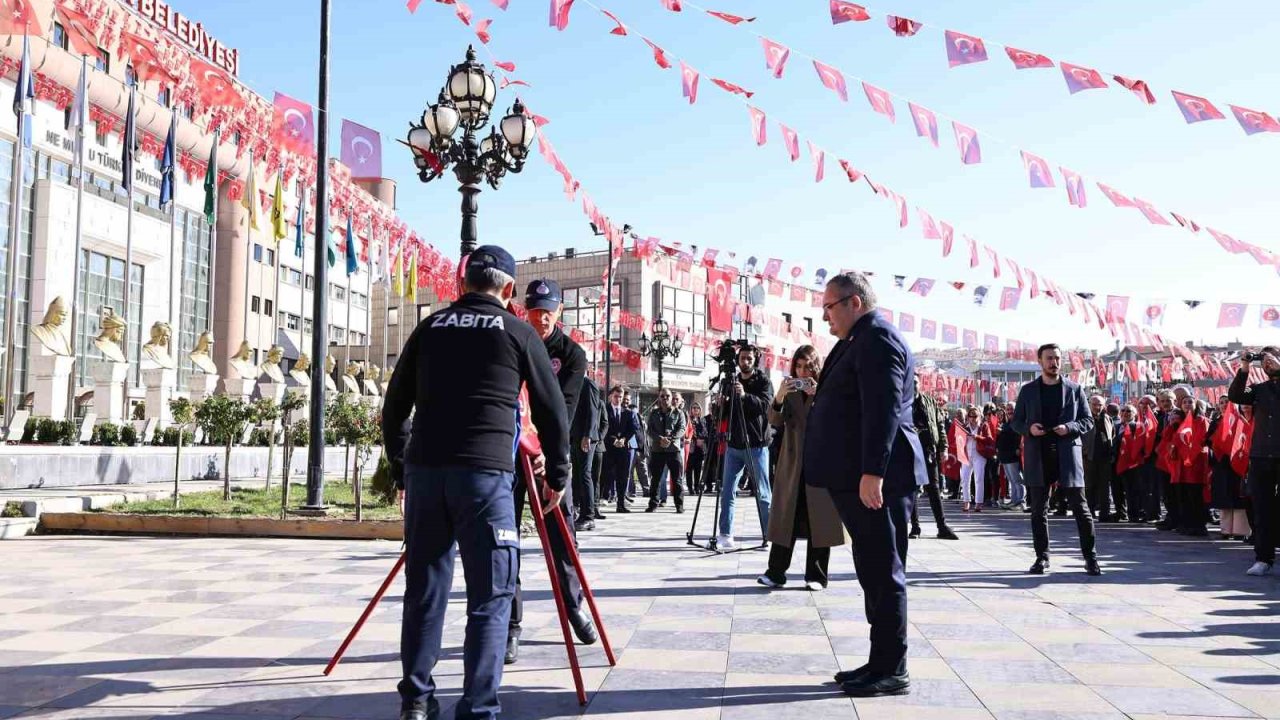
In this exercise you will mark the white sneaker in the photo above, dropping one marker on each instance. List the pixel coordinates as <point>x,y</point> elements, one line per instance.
<point>815,586</point>
<point>1260,568</point>
<point>765,581</point>
<point>725,542</point>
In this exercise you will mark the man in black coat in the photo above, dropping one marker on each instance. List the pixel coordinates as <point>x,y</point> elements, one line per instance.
<point>861,445</point>
<point>933,438</point>
<point>1264,454</point>
<point>623,429</point>
<point>585,433</point>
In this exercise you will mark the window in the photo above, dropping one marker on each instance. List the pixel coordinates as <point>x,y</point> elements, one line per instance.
<point>271,257</point>
<point>393,316</point>
<point>103,61</point>
<point>129,76</point>
<point>257,252</point>
<point>337,335</point>
<point>188,110</point>
<point>60,36</point>
<point>254,304</point>
<point>808,325</point>
<point>165,96</point>
<point>360,300</point>
<point>307,326</point>
<point>292,321</point>
<point>583,311</point>
<point>337,292</point>
<point>266,307</point>
<point>685,312</point>
<point>311,282</point>
<point>289,276</point>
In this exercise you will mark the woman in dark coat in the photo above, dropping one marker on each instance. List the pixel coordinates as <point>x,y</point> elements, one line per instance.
<point>1227,491</point>
<point>698,447</point>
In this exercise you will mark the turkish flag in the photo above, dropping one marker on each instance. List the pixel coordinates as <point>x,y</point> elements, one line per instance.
<point>659,55</point>
<point>482,30</point>
<point>293,126</point>
<point>1196,109</point>
<point>1075,188</point>
<point>948,237</point>
<point>926,122</point>
<point>620,29</point>
<point>17,17</point>
<point>967,141</point>
<point>832,79</point>
<point>463,11</point>
<point>1154,314</point>
<point>215,86</point>
<point>901,204</point>
<point>971,339</point>
<point>757,124</point>
<point>973,251</point>
<point>964,49</point>
<point>1227,242</point>
<point>689,82</point>
<point>842,12</point>
<point>1025,59</point>
<point>928,329</point>
<point>772,267</point>
<point>819,158</point>
<point>1116,198</point>
<point>730,87</point>
<point>1231,315</point>
<point>928,226</point>
<point>1261,255</point>
<point>560,13</point>
<point>1149,211</point>
<point>791,141</point>
<point>731,19</point>
<point>1254,121</point>
<point>1137,87</point>
<point>922,287</point>
<point>854,173</point>
<point>1269,316</point>
<point>902,27</point>
<point>672,5</point>
<point>1009,298</point>
<point>775,289</point>
<point>1038,172</point>
<point>906,322</point>
<point>502,4</point>
<point>775,56</point>
<point>144,57</point>
<point>80,35</point>
<point>1117,308</point>
<point>1035,284</point>
<point>508,66</point>
<point>1187,223</point>
<point>880,101</point>
<point>1081,78</point>
<point>995,260</point>
<point>949,333</point>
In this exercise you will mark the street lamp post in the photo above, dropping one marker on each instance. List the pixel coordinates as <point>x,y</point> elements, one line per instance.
<point>608,303</point>
<point>466,101</point>
<point>661,347</point>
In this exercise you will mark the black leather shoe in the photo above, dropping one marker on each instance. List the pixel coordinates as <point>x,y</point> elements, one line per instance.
<point>947,533</point>
<point>915,533</point>
<point>651,508</point>
<point>623,508</point>
<point>513,650</point>
<point>599,516</point>
<point>1039,567</point>
<point>845,676</point>
<point>873,684</point>
<point>1091,567</point>
<point>583,627</point>
<point>584,525</point>
<point>679,509</point>
<point>420,710</point>
<point>1059,513</point>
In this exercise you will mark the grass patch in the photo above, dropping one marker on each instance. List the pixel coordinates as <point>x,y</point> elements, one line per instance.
<point>245,502</point>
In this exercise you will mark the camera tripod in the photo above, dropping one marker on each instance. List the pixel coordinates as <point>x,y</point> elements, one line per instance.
<point>713,464</point>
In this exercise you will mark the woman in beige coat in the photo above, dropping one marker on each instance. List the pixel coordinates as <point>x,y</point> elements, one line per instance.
<point>799,511</point>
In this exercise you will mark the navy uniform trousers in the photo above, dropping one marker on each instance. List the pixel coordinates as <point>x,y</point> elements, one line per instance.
<point>472,507</point>
<point>879,539</point>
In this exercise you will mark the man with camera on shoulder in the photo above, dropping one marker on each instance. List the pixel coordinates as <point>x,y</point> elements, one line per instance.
<point>1264,450</point>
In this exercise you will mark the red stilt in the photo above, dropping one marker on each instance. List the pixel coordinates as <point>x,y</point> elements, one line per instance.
<point>365,615</point>
<point>586,587</point>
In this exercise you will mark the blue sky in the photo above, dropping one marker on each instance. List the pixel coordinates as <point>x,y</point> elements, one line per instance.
<point>693,174</point>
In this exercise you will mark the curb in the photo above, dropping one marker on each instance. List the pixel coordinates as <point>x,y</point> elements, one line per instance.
<point>107,523</point>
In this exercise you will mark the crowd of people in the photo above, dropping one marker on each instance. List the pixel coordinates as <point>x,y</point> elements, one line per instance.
<point>839,452</point>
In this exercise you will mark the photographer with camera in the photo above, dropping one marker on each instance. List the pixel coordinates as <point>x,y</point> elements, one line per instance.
<point>1264,450</point>
<point>749,396</point>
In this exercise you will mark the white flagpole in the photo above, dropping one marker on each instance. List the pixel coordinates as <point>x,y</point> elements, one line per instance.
<point>15,236</point>
<point>79,115</point>
<point>128,249</point>
<point>250,185</point>
<point>386,298</point>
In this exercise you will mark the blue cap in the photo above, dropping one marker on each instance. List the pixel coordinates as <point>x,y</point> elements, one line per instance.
<point>543,295</point>
<point>491,256</point>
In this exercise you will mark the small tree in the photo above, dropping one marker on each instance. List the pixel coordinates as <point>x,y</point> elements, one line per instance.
<point>223,419</point>
<point>266,412</point>
<point>357,425</point>
<point>184,413</point>
<point>293,402</point>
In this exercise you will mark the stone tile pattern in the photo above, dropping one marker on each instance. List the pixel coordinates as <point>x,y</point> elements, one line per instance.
<point>229,629</point>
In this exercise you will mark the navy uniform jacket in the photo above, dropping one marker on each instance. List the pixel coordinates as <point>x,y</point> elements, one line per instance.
<point>625,425</point>
<point>1077,418</point>
<point>860,422</point>
<point>589,420</point>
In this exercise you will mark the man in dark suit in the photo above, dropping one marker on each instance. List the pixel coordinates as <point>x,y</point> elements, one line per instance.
<point>623,429</point>
<point>861,445</point>
<point>587,430</point>
<point>1053,416</point>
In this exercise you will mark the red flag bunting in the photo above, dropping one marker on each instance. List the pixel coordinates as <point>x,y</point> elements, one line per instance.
<point>560,13</point>
<point>832,79</point>
<point>672,5</point>
<point>1026,60</point>
<point>1254,121</point>
<point>902,27</point>
<point>964,49</point>
<point>620,29</point>
<point>729,18</point>
<point>819,158</point>
<point>967,141</point>
<point>926,122</point>
<point>775,56</point>
<point>1231,315</point>
<point>1149,211</point>
<point>1196,109</point>
<point>791,141</point>
<point>928,227</point>
<point>79,30</point>
<point>948,238</point>
<point>1118,199</point>
<point>1081,78</point>
<point>508,66</point>
<point>1138,88</point>
<point>880,101</point>
<point>18,17</point>
<point>853,173</point>
<point>463,11</point>
<point>482,30</point>
<point>730,87</point>
<point>1038,172</point>
<point>1075,188</point>
<point>757,124</point>
<point>659,55</point>
<point>843,12</point>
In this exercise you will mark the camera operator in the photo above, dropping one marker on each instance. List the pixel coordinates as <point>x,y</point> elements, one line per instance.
<point>1264,451</point>
<point>461,370</point>
<point>749,397</point>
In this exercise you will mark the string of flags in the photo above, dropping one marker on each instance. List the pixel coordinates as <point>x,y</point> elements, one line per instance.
<point>965,49</point>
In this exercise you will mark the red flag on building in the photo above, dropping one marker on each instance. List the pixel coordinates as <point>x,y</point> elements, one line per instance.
<point>772,268</point>
<point>1025,59</point>
<point>143,56</point>
<point>925,121</point>
<point>775,56</point>
<point>832,79</point>
<point>1081,78</point>
<point>967,141</point>
<point>843,12</point>
<point>18,17</point>
<point>80,35</point>
<point>757,125</point>
<point>1196,109</point>
<point>964,49</point>
<point>293,126</point>
<point>880,101</point>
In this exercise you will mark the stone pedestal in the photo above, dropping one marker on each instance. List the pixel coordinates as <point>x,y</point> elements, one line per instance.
<point>160,383</point>
<point>239,387</point>
<point>49,377</point>
<point>108,390</point>
<point>201,386</point>
<point>273,390</point>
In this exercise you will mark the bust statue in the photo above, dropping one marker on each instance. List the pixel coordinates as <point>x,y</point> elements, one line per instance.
<point>157,348</point>
<point>242,362</point>
<point>301,372</point>
<point>386,379</point>
<point>329,365</point>
<point>349,382</point>
<point>200,356</point>
<point>52,332</point>
<point>371,375</point>
<point>271,367</point>
<point>108,340</point>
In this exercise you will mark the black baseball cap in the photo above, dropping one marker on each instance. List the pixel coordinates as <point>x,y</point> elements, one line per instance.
<point>543,294</point>
<point>491,256</point>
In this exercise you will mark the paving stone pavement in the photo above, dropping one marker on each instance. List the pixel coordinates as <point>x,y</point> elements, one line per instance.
<point>136,628</point>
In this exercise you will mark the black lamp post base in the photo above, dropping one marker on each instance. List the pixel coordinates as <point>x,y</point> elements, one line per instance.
<point>311,511</point>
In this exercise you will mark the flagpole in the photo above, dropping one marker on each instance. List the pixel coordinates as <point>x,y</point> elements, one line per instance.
<point>11,266</point>
<point>386,299</point>
<point>315,446</point>
<point>368,312</point>
<point>127,169</point>
<point>213,227</point>
<point>251,185</point>
<point>175,317</point>
<point>76,308</point>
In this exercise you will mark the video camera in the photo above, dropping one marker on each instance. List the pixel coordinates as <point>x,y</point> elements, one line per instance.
<point>727,358</point>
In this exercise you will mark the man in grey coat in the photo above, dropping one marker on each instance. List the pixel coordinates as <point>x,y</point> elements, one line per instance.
<point>1052,414</point>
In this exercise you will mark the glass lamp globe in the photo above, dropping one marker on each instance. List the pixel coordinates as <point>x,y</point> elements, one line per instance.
<point>519,131</point>
<point>441,120</point>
